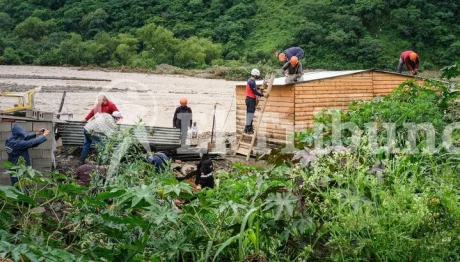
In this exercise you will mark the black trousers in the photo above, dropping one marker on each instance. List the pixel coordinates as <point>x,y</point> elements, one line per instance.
<point>250,110</point>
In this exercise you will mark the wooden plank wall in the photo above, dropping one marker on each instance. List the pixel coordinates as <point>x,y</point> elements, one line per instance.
<point>291,108</point>
<point>333,93</point>
<point>278,119</point>
<point>384,83</point>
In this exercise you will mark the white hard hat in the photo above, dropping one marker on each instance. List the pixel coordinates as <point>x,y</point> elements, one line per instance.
<point>116,114</point>
<point>255,72</point>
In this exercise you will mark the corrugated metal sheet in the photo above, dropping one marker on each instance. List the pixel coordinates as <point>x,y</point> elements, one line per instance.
<point>312,76</point>
<point>161,138</point>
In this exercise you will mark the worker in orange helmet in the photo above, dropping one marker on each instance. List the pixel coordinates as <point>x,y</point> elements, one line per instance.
<point>287,54</point>
<point>183,112</point>
<point>411,59</point>
<point>182,109</point>
<point>292,70</point>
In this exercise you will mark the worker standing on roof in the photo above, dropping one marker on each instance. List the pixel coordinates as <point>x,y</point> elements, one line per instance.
<point>103,124</point>
<point>287,54</point>
<point>292,70</point>
<point>411,59</point>
<point>103,105</point>
<point>251,100</point>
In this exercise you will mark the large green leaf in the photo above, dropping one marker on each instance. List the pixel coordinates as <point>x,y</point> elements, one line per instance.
<point>281,203</point>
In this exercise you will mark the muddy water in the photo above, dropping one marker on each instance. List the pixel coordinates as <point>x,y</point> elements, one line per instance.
<point>152,98</point>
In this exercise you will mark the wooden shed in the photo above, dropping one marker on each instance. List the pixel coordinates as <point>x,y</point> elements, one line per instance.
<point>291,107</point>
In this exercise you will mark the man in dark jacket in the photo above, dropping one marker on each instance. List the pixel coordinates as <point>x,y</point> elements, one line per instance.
<point>205,172</point>
<point>19,142</point>
<point>183,112</point>
<point>182,109</point>
<point>287,54</point>
<point>159,160</point>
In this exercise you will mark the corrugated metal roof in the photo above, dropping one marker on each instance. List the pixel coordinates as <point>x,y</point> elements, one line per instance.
<point>162,138</point>
<point>312,76</point>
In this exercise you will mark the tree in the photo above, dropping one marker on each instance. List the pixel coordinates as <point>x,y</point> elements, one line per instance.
<point>5,21</point>
<point>73,51</point>
<point>95,22</point>
<point>10,57</point>
<point>34,27</point>
<point>160,41</point>
<point>196,52</point>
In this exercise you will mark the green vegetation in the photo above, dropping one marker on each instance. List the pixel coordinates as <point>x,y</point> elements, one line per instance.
<point>335,34</point>
<point>335,206</point>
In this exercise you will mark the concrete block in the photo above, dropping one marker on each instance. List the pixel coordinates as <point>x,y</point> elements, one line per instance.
<point>32,114</point>
<point>48,144</point>
<point>2,146</point>
<point>36,153</point>
<point>26,125</point>
<point>4,127</point>
<point>47,153</point>
<point>46,171</point>
<point>41,162</point>
<point>5,181</point>
<point>46,116</point>
<point>4,156</point>
<point>5,135</point>
<point>46,125</point>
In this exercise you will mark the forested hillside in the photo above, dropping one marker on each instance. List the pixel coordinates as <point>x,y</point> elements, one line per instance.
<point>336,34</point>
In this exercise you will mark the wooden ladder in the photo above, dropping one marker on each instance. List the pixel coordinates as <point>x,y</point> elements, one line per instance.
<point>245,148</point>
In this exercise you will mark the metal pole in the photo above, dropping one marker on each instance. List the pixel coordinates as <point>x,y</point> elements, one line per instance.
<point>213,123</point>
<point>61,105</point>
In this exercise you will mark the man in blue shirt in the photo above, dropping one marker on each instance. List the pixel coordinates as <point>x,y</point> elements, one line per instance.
<point>18,144</point>
<point>287,54</point>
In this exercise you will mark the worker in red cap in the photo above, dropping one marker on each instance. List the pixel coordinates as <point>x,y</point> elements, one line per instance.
<point>292,70</point>
<point>411,59</point>
<point>182,109</point>
<point>287,54</point>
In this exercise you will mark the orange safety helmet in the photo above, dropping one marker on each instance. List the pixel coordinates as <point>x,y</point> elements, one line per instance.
<point>413,56</point>
<point>183,101</point>
<point>282,57</point>
<point>294,60</point>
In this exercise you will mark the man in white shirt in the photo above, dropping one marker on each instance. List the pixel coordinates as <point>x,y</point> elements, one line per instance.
<point>102,125</point>
<point>193,132</point>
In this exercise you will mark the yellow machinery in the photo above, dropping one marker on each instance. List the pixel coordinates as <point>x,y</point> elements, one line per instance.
<point>25,100</point>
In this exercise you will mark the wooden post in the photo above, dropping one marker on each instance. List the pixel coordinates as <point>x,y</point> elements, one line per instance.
<point>62,104</point>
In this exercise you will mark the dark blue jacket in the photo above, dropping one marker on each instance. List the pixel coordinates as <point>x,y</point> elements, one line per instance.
<point>159,160</point>
<point>294,51</point>
<point>19,142</point>
<point>177,123</point>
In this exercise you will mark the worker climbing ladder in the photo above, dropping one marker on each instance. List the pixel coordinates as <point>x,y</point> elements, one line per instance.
<point>245,148</point>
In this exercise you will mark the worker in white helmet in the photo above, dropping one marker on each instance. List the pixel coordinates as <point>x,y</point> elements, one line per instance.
<point>251,100</point>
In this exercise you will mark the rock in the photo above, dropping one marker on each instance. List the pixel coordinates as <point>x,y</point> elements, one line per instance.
<point>57,206</point>
<point>187,168</point>
<point>178,174</point>
<point>177,161</point>
<point>38,210</point>
<point>176,166</point>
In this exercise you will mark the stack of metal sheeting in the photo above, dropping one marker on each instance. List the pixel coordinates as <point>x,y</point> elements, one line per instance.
<point>159,138</point>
